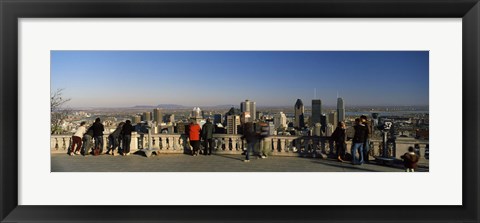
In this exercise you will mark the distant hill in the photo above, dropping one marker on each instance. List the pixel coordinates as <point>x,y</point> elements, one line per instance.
<point>164,106</point>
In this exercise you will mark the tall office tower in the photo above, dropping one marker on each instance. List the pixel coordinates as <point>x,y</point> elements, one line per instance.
<point>317,130</point>
<point>136,119</point>
<point>323,122</point>
<point>233,122</point>
<point>171,118</point>
<point>332,118</point>
<point>217,118</point>
<point>196,115</point>
<point>157,115</point>
<point>280,120</point>
<point>249,106</point>
<point>329,130</point>
<point>299,114</point>
<point>316,111</point>
<point>147,116</point>
<point>340,110</point>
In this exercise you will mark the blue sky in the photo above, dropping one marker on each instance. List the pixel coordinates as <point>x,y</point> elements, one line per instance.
<point>271,78</point>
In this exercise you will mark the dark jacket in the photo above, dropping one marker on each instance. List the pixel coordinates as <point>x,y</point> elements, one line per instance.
<point>89,132</point>
<point>249,132</point>
<point>115,134</point>
<point>127,129</point>
<point>339,135</point>
<point>361,134</point>
<point>98,129</point>
<point>207,130</point>
<point>410,160</point>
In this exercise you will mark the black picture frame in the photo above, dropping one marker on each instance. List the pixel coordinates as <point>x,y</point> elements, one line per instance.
<point>11,11</point>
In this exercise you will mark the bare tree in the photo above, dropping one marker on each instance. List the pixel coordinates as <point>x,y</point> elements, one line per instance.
<point>57,111</point>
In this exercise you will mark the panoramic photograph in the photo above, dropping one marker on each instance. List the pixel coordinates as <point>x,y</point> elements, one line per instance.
<point>239,111</point>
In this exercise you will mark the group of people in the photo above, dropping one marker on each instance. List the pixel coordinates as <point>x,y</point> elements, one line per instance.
<point>252,133</point>
<point>120,138</point>
<point>195,133</point>
<point>361,144</point>
<point>360,141</point>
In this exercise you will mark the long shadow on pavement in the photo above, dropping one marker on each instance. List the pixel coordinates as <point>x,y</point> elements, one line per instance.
<point>228,157</point>
<point>344,166</point>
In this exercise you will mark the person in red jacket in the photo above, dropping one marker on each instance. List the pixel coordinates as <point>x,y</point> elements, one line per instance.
<point>194,136</point>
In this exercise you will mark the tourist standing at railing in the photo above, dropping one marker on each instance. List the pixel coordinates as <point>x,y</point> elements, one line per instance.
<point>251,136</point>
<point>77,139</point>
<point>410,160</point>
<point>194,137</point>
<point>339,136</point>
<point>207,136</point>
<point>264,131</point>
<point>126,134</point>
<point>114,139</point>
<point>358,141</point>
<point>87,141</point>
<point>366,145</point>
<point>98,129</point>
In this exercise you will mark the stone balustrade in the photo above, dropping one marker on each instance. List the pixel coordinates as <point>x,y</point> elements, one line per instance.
<point>277,145</point>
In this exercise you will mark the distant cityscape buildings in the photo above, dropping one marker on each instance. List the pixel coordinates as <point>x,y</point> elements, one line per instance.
<point>299,114</point>
<point>233,122</point>
<point>157,115</point>
<point>340,110</point>
<point>316,111</point>
<point>280,120</point>
<point>251,108</point>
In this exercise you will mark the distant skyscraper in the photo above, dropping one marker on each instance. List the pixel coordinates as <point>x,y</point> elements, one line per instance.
<point>280,120</point>
<point>299,114</point>
<point>249,106</point>
<point>316,111</point>
<point>323,122</point>
<point>196,115</point>
<point>171,118</point>
<point>233,122</point>
<point>147,116</point>
<point>136,119</point>
<point>333,118</point>
<point>157,115</point>
<point>340,110</point>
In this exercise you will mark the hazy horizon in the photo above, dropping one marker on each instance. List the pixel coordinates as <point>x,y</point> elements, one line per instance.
<point>270,78</point>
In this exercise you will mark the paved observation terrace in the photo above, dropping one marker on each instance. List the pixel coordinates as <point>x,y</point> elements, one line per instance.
<point>287,154</point>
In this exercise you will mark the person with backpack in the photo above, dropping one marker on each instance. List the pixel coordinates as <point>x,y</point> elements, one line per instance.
<point>207,136</point>
<point>410,160</point>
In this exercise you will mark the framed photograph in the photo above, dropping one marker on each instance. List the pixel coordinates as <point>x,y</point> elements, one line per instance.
<point>173,111</point>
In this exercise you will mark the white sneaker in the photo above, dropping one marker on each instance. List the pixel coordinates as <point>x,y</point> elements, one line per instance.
<point>128,154</point>
<point>264,157</point>
<point>72,154</point>
<point>77,153</point>
<point>246,161</point>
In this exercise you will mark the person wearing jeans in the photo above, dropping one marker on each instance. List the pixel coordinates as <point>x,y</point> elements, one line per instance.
<point>359,139</point>
<point>98,129</point>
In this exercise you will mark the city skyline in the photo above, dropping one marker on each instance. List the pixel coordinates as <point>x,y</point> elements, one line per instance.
<point>212,78</point>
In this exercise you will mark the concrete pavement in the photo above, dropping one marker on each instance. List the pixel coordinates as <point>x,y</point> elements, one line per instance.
<point>213,163</point>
